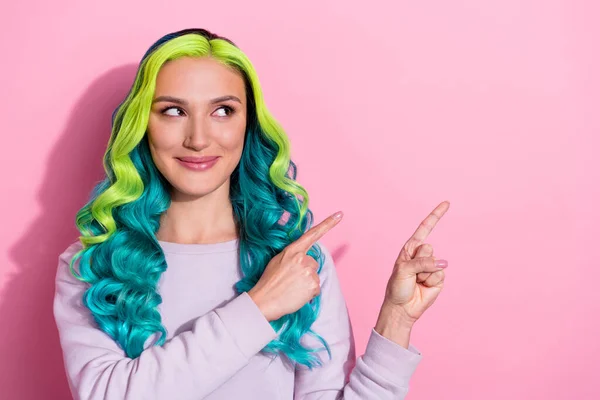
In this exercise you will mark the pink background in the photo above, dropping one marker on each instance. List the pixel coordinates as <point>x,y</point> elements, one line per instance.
<point>392,107</point>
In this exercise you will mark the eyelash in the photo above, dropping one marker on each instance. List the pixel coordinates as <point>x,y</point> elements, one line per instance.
<point>230,109</point>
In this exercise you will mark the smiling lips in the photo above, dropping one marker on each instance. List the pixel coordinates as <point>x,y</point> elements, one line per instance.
<point>198,163</point>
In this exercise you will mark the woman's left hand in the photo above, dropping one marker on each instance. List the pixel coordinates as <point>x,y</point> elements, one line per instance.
<point>416,280</point>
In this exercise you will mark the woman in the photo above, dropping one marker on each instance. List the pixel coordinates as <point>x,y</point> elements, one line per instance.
<point>197,274</point>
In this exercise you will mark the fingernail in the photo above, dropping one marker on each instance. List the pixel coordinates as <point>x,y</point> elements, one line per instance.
<point>441,263</point>
<point>338,215</point>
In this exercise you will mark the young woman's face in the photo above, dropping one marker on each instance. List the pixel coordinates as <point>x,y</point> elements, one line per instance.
<point>198,111</point>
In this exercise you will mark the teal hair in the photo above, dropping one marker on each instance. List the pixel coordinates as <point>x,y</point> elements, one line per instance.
<point>121,258</point>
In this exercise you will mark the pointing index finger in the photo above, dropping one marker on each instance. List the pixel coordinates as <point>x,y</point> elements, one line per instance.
<point>311,236</point>
<point>430,222</point>
<point>424,230</point>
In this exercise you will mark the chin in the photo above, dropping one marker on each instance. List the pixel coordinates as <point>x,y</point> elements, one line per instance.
<point>184,187</point>
<point>193,191</point>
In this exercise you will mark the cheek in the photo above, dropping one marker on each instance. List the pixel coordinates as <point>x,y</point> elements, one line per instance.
<point>162,136</point>
<point>163,145</point>
<point>161,150</point>
<point>161,141</point>
<point>232,139</point>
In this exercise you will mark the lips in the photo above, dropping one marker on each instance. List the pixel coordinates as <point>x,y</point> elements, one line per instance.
<point>198,159</point>
<point>198,164</point>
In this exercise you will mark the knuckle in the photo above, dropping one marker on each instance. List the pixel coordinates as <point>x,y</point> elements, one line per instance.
<point>412,243</point>
<point>298,258</point>
<point>427,248</point>
<point>436,278</point>
<point>316,287</point>
<point>316,280</point>
<point>411,247</point>
<point>287,252</point>
<point>313,235</point>
<point>425,262</point>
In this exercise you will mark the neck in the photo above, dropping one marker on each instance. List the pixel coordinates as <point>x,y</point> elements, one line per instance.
<point>198,220</point>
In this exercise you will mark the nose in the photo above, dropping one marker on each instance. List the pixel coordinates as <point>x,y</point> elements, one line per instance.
<point>198,134</point>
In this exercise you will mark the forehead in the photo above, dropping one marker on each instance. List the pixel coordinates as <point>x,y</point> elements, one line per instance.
<point>198,78</point>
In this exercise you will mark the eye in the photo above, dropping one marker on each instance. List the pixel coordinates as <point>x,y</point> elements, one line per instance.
<point>225,111</point>
<point>163,111</point>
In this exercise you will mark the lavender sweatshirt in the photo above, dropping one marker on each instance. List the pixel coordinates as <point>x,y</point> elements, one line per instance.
<point>214,341</point>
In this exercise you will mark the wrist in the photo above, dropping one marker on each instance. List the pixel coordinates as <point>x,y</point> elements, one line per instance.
<point>256,298</point>
<point>393,324</point>
<point>397,314</point>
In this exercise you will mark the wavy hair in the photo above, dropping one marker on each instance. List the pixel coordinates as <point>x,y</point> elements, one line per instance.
<point>121,258</point>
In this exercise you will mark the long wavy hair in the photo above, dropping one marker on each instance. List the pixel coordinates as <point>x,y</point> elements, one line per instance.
<point>121,258</point>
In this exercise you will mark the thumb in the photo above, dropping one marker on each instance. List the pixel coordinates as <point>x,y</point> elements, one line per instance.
<point>423,264</point>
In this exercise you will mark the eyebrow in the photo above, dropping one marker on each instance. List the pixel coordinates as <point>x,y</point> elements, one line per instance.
<point>185,103</point>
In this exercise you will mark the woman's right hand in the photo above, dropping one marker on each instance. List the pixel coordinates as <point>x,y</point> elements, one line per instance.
<point>290,280</point>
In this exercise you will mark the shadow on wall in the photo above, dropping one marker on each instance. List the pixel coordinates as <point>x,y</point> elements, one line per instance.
<point>32,363</point>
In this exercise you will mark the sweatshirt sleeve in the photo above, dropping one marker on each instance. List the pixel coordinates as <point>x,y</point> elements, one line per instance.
<point>382,372</point>
<point>191,364</point>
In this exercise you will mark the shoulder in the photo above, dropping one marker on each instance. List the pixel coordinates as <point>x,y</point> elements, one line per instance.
<point>328,270</point>
<point>326,255</point>
<point>63,272</point>
<point>70,251</point>
<point>68,307</point>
